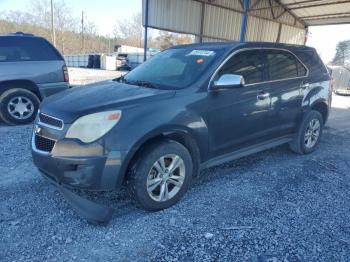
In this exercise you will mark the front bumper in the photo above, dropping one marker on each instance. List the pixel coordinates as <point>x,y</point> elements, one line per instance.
<point>76,165</point>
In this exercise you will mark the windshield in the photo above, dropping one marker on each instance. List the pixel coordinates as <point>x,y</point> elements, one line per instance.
<point>172,68</point>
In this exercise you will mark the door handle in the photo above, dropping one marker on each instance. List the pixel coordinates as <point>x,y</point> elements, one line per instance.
<point>305,86</point>
<point>263,95</point>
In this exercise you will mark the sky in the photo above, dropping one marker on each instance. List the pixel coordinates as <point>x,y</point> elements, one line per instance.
<point>105,13</point>
<point>325,39</point>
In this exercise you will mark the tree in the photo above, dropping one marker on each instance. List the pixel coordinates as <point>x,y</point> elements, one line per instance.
<point>166,39</point>
<point>37,20</point>
<point>68,28</point>
<point>184,39</point>
<point>63,19</point>
<point>342,55</point>
<point>130,30</point>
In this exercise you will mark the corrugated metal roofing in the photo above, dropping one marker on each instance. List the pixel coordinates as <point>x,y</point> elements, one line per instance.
<point>181,16</point>
<point>292,35</point>
<point>261,30</point>
<point>268,20</point>
<point>221,23</point>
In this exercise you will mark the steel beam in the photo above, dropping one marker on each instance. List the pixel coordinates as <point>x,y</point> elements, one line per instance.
<point>319,4</point>
<point>272,12</point>
<point>290,12</point>
<point>329,15</point>
<point>301,4</point>
<point>241,12</point>
<point>244,20</point>
<point>202,23</point>
<point>146,32</point>
<point>254,4</point>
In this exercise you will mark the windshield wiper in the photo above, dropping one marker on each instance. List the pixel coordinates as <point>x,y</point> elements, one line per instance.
<point>139,83</point>
<point>145,84</point>
<point>119,79</point>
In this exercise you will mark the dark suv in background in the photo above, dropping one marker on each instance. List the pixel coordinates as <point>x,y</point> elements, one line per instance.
<point>187,108</point>
<point>30,70</point>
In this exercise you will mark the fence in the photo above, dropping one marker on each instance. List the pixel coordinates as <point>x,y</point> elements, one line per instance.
<point>79,60</point>
<point>341,77</point>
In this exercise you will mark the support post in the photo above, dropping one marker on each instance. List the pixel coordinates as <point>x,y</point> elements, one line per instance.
<point>244,20</point>
<point>306,35</point>
<point>278,40</point>
<point>82,33</point>
<point>202,22</point>
<point>146,32</point>
<point>53,35</point>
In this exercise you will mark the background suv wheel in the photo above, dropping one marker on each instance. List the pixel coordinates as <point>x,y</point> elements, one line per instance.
<point>309,133</point>
<point>161,175</point>
<point>18,106</point>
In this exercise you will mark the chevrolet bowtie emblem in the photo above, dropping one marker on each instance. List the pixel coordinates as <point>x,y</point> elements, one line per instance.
<point>37,130</point>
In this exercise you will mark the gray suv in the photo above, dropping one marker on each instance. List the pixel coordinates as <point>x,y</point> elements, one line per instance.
<point>30,70</point>
<point>188,108</point>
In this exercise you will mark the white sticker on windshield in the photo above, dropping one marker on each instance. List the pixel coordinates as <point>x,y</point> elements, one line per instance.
<point>202,53</point>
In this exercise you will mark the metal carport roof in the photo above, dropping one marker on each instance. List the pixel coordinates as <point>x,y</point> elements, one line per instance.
<point>284,21</point>
<point>319,12</point>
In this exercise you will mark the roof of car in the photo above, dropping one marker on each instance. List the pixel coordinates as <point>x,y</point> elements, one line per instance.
<point>234,45</point>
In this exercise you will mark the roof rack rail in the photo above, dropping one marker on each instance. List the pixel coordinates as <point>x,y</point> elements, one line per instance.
<point>22,33</point>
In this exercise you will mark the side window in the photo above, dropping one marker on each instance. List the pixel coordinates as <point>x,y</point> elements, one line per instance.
<point>248,64</point>
<point>283,65</point>
<point>15,49</point>
<point>301,69</point>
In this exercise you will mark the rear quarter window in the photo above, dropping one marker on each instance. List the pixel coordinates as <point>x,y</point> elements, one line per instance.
<point>317,70</point>
<point>20,49</point>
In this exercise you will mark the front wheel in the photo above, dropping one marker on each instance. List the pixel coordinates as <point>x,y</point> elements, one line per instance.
<point>309,133</point>
<point>161,175</point>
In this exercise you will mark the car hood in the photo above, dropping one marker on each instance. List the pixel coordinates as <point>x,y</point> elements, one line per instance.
<point>108,95</point>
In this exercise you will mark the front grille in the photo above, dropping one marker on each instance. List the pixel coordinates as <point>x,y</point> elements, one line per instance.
<point>51,121</point>
<point>44,144</point>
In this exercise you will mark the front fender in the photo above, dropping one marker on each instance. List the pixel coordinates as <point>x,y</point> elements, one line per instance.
<point>185,124</point>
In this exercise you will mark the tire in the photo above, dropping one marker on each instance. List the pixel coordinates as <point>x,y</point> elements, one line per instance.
<point>143,170</point>
<point>27,103</point>
<point>300,144</point>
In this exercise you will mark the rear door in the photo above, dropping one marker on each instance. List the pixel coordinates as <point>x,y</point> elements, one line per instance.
<point>286,79</point>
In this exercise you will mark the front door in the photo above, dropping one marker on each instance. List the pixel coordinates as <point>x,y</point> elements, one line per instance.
<point>237,115</point>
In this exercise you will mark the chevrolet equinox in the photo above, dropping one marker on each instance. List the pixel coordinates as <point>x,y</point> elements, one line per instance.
<point>189,107</point>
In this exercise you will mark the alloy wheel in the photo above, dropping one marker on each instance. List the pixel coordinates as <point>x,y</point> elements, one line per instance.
<point>312,133</point>
<point>166,177</point>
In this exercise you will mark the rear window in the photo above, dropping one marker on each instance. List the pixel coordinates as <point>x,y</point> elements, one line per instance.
<point>19,49</point>
<point>284,65</point>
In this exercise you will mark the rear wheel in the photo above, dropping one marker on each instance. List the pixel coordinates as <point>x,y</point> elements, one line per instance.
<point>18,106</point>
<point>309,133</point>
<point>161,175</point>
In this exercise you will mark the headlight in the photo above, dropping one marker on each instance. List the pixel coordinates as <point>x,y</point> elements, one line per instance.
<point>91,127</point>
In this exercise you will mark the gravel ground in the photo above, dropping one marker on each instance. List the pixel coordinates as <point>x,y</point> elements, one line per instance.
<point>271,206</point>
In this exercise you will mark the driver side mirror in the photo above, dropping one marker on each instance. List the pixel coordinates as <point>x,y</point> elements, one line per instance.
<point>229,80</point>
